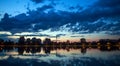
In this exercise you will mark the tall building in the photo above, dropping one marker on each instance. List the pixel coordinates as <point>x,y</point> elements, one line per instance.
<point>21,40</point>
<point>34,40</point>
<point>47,41</point>
<point>83,40</point>
<point>39,41</point>
<point>28,41</point>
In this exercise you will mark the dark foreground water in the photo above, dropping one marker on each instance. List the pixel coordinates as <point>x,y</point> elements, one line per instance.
<point>61,57</point>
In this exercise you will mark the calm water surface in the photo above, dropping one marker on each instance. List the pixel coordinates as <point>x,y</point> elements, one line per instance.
<point>60,57</point>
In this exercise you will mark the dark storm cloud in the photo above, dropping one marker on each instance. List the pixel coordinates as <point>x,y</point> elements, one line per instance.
<point>51,19</point>
<point>2,35</point>
<point>58,35</point>
<point>108,3</point>
<point>45,7</point>
<point>22,22</point>
<point>13,24</point>
<point>41,1</point>
<point>109,27</point>
<point>55,19</point>
<point>103,8</point>
<point>38,1</point>
<point>76,7</point>
<point>33,35</point>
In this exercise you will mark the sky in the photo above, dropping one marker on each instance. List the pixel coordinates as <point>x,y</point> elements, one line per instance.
<point>66,19</point>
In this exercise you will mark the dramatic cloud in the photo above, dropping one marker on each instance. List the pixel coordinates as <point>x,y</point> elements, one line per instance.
<point>42,1</point>
<point>45,7</point>
<point>101,16</point>
<point>37,1</point>
<point>107,8</point>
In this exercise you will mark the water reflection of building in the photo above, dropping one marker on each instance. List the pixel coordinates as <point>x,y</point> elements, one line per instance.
<point>34,45</point>
<point>47,50</point>
<point>83,50</point>
<point>84,43</point>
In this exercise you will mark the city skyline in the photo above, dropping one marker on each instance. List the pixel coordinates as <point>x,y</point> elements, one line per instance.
<point>66,19</point>
<point>56,40</point>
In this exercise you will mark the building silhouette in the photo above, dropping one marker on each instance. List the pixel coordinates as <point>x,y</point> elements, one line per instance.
<point>83,40</point>
<point>21,40</point>
<point>28,41</point>
<point>47,41</point>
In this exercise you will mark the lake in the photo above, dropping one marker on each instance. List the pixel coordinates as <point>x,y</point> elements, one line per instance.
<point>65,56</point>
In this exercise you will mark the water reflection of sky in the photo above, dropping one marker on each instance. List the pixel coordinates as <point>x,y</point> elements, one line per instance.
<point>64,57</point>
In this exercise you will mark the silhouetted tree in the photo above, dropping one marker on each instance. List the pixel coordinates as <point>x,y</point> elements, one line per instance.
<point>21,42</point>
<point>47,41</point>
<point>83,40</point>
<point>28,41</point>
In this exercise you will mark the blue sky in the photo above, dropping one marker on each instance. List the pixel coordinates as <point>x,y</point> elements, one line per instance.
<point>68,19</point>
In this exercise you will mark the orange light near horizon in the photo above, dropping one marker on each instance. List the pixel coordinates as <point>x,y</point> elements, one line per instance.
<point>65,38</point>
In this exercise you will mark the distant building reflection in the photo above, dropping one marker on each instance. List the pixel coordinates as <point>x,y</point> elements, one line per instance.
<point>34,45</point>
